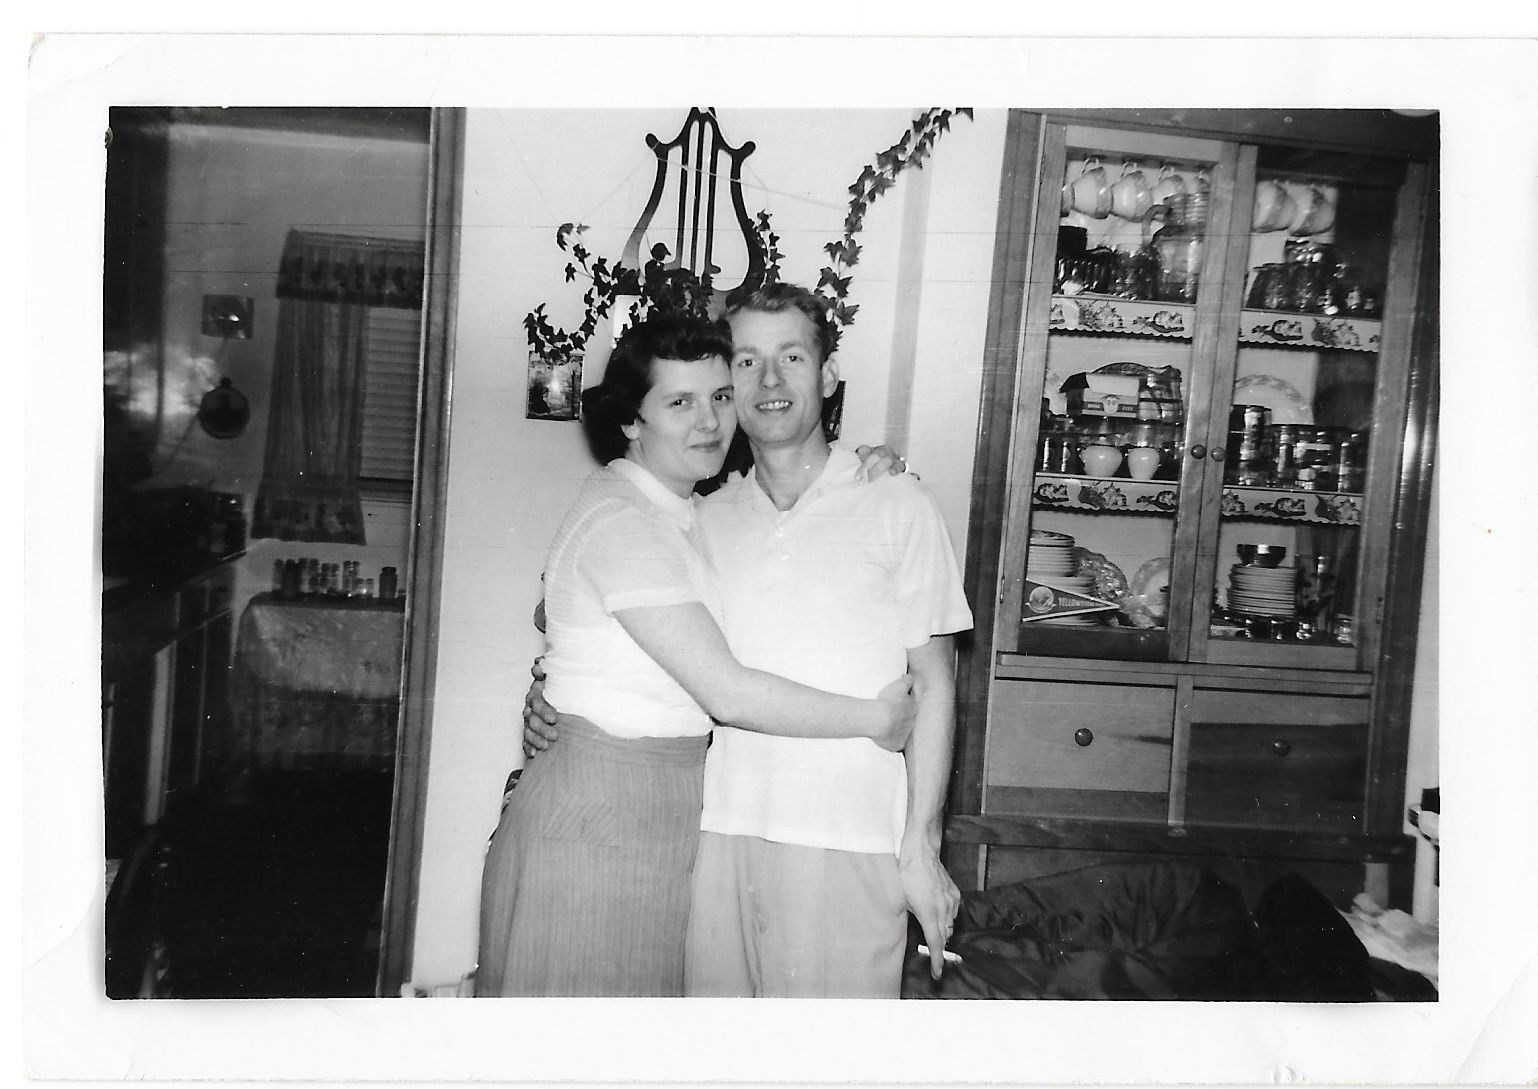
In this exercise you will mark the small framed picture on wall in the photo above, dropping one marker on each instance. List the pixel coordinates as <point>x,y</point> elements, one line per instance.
<point>555,387</point>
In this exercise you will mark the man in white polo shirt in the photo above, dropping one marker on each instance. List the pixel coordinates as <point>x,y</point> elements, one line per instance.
<point>812,852</point>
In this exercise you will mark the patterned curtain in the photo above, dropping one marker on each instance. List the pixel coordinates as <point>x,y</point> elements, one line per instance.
<point>326,283</point>
<point>346,268</point>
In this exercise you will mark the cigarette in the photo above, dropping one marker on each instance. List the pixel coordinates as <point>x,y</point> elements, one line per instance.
<point>945,955</point>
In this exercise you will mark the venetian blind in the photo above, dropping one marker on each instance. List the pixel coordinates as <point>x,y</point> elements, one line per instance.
<point>390,395</point>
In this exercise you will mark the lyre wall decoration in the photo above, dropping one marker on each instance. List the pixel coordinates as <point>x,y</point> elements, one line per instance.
<point>718,249</point>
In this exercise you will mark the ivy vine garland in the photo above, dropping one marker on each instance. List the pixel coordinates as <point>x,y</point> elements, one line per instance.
<point>657,287</point>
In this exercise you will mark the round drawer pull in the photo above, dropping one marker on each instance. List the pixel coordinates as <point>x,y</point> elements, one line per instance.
<point>1218,453</point>
<point>1083,736</point>
<point>1198,451</point>
<point>1281,746</point>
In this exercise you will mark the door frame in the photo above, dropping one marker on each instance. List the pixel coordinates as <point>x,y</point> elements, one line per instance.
<point>424,579</point>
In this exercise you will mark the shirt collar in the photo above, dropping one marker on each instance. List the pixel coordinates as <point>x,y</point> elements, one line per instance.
<point>677,508</point>
<point>840,469</point>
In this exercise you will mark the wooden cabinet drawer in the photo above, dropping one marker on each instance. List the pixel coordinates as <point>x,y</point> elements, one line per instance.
<point>1277,760</point>
<point>1080,748</point>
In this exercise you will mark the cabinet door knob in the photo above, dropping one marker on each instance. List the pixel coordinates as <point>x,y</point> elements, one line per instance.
<point>1218,453</point>
<point>1198,451</point>
<point>1083,736</point>
<point>1281,746</point>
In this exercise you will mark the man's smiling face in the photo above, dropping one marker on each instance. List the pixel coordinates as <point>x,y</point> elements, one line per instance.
<point>777,379</point>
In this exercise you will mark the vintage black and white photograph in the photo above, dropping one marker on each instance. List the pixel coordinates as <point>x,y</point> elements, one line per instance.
<point>985,553</point>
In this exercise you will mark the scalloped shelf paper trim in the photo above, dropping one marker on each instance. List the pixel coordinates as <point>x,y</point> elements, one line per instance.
<point>1109,314</point>
<point>1309,331</point>
<point>1118,495</point>
<point>1279,504</point>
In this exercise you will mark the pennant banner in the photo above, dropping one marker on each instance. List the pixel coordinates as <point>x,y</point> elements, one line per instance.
<point>1042,600</point>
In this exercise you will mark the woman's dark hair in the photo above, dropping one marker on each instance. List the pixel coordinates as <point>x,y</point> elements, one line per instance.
<point>614,402</point>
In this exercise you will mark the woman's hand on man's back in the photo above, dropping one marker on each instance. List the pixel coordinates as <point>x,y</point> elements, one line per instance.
<point>539,718</point>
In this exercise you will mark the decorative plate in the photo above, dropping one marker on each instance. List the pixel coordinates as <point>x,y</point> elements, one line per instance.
<point>1281,397</point>
<point>1108,580</point>
<point>1152,578</point>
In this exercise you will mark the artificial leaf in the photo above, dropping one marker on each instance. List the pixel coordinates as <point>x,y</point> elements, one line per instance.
<point>560,234</point>
<point>571,273</point>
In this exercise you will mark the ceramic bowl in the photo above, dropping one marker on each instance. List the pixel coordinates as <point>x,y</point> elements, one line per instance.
<point>1262,555</point>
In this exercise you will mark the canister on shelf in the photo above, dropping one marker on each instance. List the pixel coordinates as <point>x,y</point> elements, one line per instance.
<point>1284,464</point>
<point>1316,591</point>
<point>1351,462</point>
<point>1247,447</point>
<point>387,583</point>
<point>1314,454</point>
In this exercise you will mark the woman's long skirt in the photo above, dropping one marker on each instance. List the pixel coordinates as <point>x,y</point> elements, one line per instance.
<point>587,880</point>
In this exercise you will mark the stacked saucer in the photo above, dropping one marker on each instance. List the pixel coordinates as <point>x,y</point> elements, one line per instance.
<point>1051,560</point>
<point>1263,591</point>
<point>1050,557</point>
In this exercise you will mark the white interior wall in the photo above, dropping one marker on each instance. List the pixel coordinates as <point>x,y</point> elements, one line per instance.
<point>511,479</point>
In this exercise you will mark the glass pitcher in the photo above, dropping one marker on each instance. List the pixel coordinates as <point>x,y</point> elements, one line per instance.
<point>1179,245</point>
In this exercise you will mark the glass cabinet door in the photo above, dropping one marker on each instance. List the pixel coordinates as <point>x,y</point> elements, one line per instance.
<point>1295,422</point>
<point>1116,375</point>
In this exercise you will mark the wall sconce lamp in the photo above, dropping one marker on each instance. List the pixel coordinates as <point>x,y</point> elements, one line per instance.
<point>227,316</point>
<point>224,410</point>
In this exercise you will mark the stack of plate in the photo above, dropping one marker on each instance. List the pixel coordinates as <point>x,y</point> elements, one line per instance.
<point>1051,560</point>
<point>1263,591</point>
<point>1050,557</point>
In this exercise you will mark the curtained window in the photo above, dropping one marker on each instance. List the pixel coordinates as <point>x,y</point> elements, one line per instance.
<point>327,284</point>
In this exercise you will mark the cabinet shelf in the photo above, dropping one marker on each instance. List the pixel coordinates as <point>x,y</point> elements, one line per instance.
<point>1104,495</point>
<point>1089,313</point>
<point>1290,505</point>
<point>1289,329</point>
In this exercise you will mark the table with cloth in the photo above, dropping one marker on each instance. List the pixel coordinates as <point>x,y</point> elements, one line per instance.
<point>316,682</point>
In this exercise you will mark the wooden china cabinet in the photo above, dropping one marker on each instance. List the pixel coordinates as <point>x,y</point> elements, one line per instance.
<point>1252,362</point>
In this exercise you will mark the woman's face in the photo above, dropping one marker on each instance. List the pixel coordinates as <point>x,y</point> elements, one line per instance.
<point>685,422</point>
